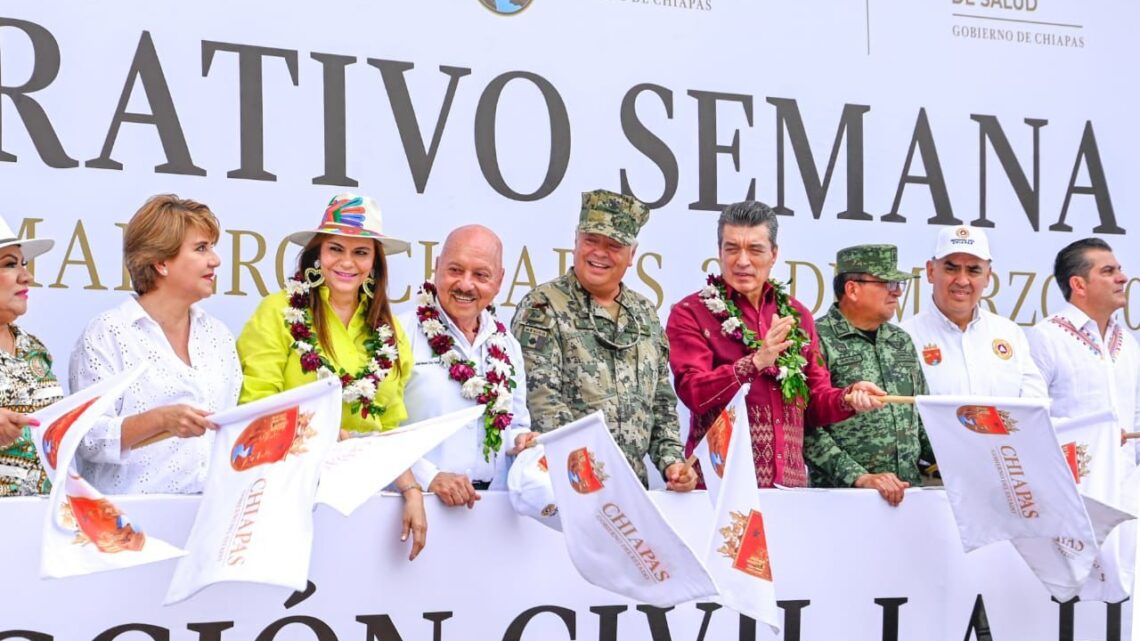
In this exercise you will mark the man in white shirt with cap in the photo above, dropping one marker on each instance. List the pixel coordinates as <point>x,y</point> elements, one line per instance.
<point>964,348</point>
<point>464,356</point>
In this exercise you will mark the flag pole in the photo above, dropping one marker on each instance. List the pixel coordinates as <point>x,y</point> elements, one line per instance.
<point>888,399</point>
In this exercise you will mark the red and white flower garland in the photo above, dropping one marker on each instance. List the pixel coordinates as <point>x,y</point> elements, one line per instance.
<point>359,391</point>
<point>493,391</point>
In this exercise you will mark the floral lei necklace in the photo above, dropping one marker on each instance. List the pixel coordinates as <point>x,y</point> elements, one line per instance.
<point>793,382</point>
<point>359,391</point>
<point>493,391</point>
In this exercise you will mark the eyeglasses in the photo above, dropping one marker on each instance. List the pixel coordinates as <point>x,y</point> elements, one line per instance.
<point>893,286</point>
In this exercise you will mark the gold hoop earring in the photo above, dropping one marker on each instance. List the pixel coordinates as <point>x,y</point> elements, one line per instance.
<point>313,275</point>
<point>369,287</point>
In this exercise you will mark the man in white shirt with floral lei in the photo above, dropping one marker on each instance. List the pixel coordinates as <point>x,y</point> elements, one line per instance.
<point>464,356</point>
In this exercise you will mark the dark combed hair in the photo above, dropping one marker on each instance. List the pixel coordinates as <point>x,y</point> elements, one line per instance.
<point>747,213</point>
<point>379,309</point>
<point>839,283</point>
<point>1073,260</point>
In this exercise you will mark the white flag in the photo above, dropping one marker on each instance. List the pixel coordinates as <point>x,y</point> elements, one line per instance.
<point>358,468</point>
<point>615,535</point>
<point>737,555</point>
<point>84,531</point>
<point>1100,467</point>
<point>1006,479</point>
<point>255,521</point>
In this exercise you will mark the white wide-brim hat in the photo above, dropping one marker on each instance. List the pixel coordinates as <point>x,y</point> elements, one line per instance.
<point>355,217</point>
<point>31,247</point>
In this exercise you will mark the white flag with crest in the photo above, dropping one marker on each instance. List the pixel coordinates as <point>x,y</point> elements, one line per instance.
<point>737,555</point>
<point>1006,479</point>
<point>615,535</point>
<point>84,531</point>
<point>255,521</point>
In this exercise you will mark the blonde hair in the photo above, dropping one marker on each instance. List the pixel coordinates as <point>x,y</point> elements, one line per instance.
<point>156,232</point>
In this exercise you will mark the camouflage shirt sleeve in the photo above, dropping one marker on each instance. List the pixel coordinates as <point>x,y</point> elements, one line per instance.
<point>823,453</point>
<point>665,442</point>
<point>926,450</point>
<point>534,327</point>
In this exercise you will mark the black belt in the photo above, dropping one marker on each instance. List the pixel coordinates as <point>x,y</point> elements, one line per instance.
<point>481,485</point>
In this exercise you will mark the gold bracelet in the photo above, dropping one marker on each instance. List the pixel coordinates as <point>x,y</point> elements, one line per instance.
<point>413,486</point>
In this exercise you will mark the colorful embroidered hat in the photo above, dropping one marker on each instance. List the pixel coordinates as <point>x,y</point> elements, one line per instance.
<point>31,247</point>
<point>355,217</point>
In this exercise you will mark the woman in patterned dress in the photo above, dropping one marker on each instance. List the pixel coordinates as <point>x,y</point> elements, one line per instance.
<point>27,383</point>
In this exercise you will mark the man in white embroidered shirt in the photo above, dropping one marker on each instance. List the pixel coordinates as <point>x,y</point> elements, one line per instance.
<point>964,348</point>
<point>1089,360</point>
<point>1092,363</point>
<point>455,337</point>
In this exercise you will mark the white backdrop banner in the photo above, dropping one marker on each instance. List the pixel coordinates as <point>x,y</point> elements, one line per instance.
<point>851,567</point>
<point>873,121</point>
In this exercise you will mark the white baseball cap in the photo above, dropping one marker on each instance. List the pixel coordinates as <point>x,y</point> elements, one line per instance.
<point>962,239</point>
<point>530,488</point>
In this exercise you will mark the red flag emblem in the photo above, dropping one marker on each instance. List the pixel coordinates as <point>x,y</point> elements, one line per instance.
<point>586,474</point>
<point>746,544</point>
<point>269,439</point>
<point>719,436</point>
<point>55,432</point>
<point>984,419</point>
<point>105,525</point>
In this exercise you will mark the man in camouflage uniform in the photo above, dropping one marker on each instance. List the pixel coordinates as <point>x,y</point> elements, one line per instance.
<point>590,343</point>
<point>879,450</point>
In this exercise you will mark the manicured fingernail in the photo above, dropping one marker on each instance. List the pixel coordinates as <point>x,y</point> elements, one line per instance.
<point>34,423</point>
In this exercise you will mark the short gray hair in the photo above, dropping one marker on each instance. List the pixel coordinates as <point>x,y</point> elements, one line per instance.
<point>748,213</point>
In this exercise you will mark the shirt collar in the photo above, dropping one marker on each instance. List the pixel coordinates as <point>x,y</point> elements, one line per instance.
<point>133,311</point>
<point>486,326</point>
<point>841,325</point>
<point>949,323</point>
<point>767,293</point>
<point>1081,320</point>
<point>588,299</point>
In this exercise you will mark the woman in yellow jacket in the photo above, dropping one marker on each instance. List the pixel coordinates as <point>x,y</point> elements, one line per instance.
<point>334,318</point>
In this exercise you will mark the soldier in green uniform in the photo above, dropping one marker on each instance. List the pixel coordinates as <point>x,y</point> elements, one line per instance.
<point>878,450</point>
<point>590,343</point>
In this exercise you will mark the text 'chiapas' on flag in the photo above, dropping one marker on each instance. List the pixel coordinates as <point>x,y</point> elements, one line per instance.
<point>84,531</point>
<point>614,534</point>
<point>1007,479</point>
<point>737,556</point>
<point>255,521</point>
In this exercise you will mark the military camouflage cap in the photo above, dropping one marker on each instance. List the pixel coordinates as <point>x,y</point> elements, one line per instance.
<point>880,261</point>
<point>612,215</point>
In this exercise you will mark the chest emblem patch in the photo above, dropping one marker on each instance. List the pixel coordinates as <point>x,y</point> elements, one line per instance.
<point>1003,349</point>
<point>932,355</point>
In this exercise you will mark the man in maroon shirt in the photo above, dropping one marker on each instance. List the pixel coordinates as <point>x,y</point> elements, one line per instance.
<point>743,328</point>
